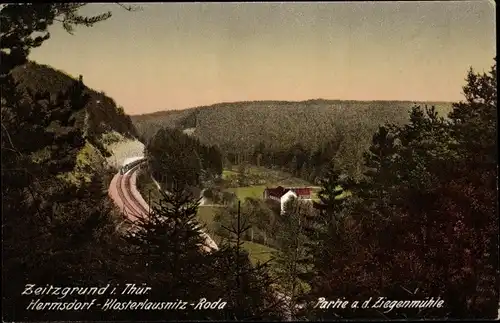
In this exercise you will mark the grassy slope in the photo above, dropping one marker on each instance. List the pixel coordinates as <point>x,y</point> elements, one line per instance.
<point>266,178</point>
<point>88,161</point>
<point>147,188</point>
<point>258,252</point>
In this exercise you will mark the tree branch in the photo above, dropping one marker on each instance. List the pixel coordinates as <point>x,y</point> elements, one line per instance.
<point>129,8</point>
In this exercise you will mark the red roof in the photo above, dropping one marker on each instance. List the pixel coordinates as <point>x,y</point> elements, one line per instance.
<point>303,191</point>
<point>280,191</point>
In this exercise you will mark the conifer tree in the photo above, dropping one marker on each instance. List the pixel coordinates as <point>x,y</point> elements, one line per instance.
<point>248,288</point>
<point>169,244</point>
<point>292,250</point>
<point>330,247</point>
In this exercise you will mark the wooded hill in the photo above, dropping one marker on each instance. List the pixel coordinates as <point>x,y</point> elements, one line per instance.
<point>101,114</point>
<point>241,127</point>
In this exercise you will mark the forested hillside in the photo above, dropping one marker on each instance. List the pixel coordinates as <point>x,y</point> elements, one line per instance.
<point>148,124</point>
<point>101,115</point>
<point>240,128</point>
<point>175,157</point>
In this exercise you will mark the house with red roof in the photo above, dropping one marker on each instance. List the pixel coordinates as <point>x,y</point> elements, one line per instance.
<point>282,194</point>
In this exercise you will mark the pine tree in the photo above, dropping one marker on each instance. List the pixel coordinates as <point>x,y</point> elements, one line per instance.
<point>263,218</point>
<point>292,249</point>
<point>174,252</point>
<point>329,246</point>
<point>242,176</point>
<point>248,288</point>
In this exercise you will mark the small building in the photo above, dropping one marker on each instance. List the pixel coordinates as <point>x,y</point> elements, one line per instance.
<point>282,194</point>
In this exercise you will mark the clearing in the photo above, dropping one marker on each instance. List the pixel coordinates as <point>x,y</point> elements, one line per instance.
<point>257,178</point>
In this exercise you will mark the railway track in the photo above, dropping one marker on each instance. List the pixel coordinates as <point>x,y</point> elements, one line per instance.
<point>128,186</point>
<point>124,188</point>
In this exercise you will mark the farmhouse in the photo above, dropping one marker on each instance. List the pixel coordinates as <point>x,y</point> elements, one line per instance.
<point>282,194</point>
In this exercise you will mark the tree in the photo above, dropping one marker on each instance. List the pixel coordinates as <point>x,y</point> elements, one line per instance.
<point>330,246</point>
<point>183,159</point>
<point>242,176</point>
<point>170,245</point>
<point>473,192</point>
<point>248,287</point>
<point>292,249</point>
<point>20,21</point>
<point>48,223</point>
<point>263,217</point>
<point>422,222</point>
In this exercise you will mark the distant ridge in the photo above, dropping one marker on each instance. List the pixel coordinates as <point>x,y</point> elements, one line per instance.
<point>239,127</point>
<point>319,100</point>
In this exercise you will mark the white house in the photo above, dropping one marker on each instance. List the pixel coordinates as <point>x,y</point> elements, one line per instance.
<point>285,198</point>
<point>283,195</point>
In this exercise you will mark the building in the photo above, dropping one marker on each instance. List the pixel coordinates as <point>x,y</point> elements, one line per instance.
<point>284,194</point>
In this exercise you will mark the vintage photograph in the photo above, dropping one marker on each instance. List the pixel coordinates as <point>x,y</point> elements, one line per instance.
<point>256,161</point>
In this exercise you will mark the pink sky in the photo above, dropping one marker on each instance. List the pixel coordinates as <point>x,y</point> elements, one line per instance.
<point>176,56</point>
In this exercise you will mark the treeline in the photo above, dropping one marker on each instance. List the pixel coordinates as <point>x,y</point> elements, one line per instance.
<point>300,161</point>
<point>147,125</point>
<point>239,128</point>
<point>175,157</point>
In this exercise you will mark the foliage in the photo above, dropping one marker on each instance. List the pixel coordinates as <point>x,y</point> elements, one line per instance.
<point>181,159</point>
<point>255,214</point>
<point>292,239</point>
<point>168,241</point>
<point>53,232</point>
<point>101,112</point>
<point>21,22</point>
<point>423,221</point>
<point>242,130</point>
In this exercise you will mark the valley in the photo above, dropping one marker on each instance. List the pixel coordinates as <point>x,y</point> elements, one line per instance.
<point>315,159</point>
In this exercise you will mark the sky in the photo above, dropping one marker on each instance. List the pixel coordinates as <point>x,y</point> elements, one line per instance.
<point>180,55</point>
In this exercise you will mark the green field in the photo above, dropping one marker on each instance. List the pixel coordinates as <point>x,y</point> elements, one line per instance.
<point>257,191</point>
<point>265,177</point>
<point>248,191</point>
<point>206,216</point>
<point>258,252</point>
